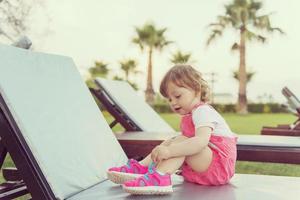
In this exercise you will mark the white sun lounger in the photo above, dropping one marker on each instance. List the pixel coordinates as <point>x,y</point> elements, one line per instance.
<point>62,146</point>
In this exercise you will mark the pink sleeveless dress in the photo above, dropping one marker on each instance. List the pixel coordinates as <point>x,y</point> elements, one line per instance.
<point>222,166</point>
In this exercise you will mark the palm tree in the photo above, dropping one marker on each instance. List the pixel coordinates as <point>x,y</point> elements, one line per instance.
<point>243,16</point>
<point>180,58</point>
<point>129,67</point>
<point>151,38</point>
<point>99,69</point>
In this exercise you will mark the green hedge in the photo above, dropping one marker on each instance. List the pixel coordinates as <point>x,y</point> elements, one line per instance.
<point>225,108</point>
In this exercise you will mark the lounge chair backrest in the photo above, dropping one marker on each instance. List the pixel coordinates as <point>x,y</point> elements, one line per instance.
<point>133,105</point>
<point>292,100</point>
<point>58,118</point>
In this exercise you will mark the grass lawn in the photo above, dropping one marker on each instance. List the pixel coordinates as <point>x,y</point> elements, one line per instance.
<point>249,124</point>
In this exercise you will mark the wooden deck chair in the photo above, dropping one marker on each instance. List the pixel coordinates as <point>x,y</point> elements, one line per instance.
<point>134,114</point>
<point>62,145</point>
<point>293,105</point>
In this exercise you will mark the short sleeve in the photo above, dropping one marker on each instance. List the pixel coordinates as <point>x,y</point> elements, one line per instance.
<point>204,116</point>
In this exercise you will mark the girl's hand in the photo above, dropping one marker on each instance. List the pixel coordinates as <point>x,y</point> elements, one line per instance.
<point>160,153</point>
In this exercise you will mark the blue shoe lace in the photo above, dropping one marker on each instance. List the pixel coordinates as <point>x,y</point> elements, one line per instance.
<point>150,170</point>
<point>128,164</point>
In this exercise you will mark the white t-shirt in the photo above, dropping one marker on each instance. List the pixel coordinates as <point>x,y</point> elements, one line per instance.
<point>205,115</point>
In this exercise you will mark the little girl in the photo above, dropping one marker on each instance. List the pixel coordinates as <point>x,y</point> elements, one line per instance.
<point>205,151</point>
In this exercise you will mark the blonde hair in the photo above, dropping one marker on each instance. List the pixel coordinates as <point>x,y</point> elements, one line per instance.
<point>185,76</point>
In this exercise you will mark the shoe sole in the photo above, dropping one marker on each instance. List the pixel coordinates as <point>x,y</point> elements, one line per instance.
<point>149,190</point>
<point>121,177</point>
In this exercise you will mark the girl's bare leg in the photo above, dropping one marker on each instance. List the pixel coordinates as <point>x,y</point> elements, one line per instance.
<point>198,162</point>
<point>171,165</point>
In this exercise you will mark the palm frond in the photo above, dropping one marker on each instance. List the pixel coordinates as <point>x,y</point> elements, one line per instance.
<point>250,75</point>
<point>138,42</point>
<point>235,47</point>
<point>225,21</point>
<point>214,34</point>
<point>277,29</point>
<point>149,35</point>
<point>253,36</point>
<point>180,58</point>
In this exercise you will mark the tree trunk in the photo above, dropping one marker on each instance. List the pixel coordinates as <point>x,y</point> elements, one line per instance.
<point>242,107</point>
<point>149,93</point>
<point>127,75</point>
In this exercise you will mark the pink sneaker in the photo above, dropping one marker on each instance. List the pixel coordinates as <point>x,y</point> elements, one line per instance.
<point>130,171</point>
<point>150,183</point>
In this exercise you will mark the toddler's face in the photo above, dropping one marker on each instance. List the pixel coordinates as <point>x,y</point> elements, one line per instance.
<point>182,99</point>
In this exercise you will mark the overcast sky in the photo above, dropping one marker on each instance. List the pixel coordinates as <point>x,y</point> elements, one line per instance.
<point>102,30</point>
